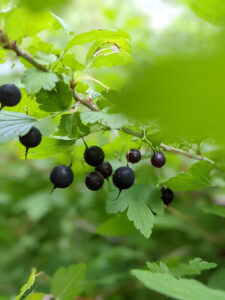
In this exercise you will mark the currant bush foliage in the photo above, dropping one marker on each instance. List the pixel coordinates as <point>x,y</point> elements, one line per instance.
<point>64,96</point>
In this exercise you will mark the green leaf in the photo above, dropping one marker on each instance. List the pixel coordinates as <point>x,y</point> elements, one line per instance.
<point>71,126</point>
<point>56,100</point>
<point>210,10</point>
<point>194,267</point>
<point>67,284</point>
<point>62,23</point>
<point>45,58</point>
<point>136,201</point>
<point>114,121</point>
<point>50,147</point>
<point>182,289</point>
<point>197,178</point>
<point>95,35</point>
<point>158,267</point>
<point>28,284</point>
<point>14,124</point>
<point>22,23</point>
<point>109,53</point>
<point>70,61</point>
<point>216,210</point>
<point>35,296</point>
<point>116,226</point>
<point>35,80</point>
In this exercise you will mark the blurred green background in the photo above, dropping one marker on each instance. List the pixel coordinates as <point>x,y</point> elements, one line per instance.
<point>47,232</point>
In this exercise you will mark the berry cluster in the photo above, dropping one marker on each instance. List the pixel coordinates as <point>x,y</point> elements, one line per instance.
<point>62,176</point>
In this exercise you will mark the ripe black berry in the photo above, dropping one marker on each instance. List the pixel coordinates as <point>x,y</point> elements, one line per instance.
<point>61,177</point>
<point>133,156</point>
<point>167,195</point>
<point>94,156</point>
<point>123,178</point>
<point>94,181</point>
<point>31,139</point>
<point>105,169</point>
<point>10,95</point>
<point>158,160</point>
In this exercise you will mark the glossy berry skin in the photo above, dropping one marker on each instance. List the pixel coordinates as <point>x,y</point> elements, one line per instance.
<point>123,178</point>
<point>32,138</point>
<point>105,169</point>
<point>94,156</point>
<point>167,195</point>
<point>61,176</point>
<point>10,95</point>
<point>94,181</point>
<point>158,160</point>
<point>133,156</point>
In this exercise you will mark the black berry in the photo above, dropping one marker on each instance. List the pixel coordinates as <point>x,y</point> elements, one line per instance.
<point>94,156</point>
<point>31,139</point>
<point>167,195</point>
<point>61,176</point>
<point>94,181</point>
<point>133,156</point>
<point>105,169</point>
<point>123,178</point>
<point>158,160</point>
<point>10,95</point>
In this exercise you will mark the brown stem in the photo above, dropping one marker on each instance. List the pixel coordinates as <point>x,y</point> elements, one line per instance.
<point>12,45</point>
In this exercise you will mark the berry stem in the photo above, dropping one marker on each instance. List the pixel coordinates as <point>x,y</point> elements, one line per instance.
<point>26,152</point>
<point>52,190</point>
<point>118,195</point>
<point>154,213</point>
<point>84,142</point>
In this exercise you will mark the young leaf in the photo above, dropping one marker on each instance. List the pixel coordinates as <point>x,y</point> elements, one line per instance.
<point>137,200</point>
<point>194,267</point>
<point>22,23</point>
<point>35,80</point>
<point>109,53</point>
<point>28,284</point>
<point>57,100</point>
<point>67,284</point>
<point>95,35</point>
<point>44,58</point>
<point>197,178</point>
<point>181,289</point>
<point>71,126</point>
<point>14,124</point>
